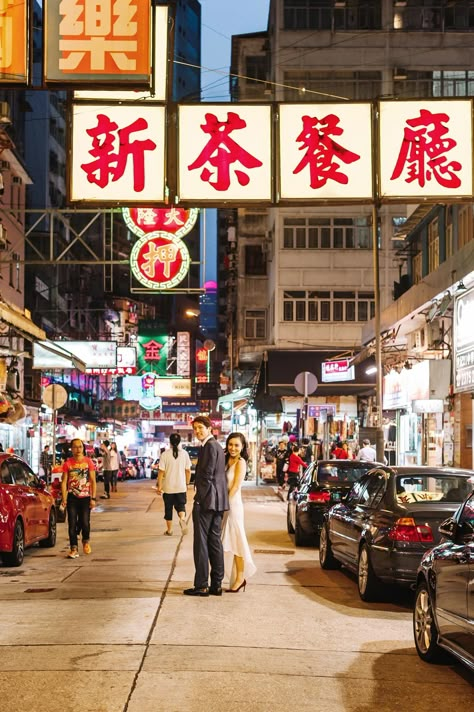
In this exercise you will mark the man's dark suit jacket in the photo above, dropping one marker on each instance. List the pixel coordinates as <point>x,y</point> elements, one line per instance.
<point>210,478</point>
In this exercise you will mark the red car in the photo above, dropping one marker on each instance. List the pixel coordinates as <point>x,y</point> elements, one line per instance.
<point>27,510</point>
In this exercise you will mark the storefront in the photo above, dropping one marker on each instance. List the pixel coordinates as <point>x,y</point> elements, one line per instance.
<point>418,396</point>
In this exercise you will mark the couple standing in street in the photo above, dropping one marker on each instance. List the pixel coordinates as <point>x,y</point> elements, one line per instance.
<point>218,482</point>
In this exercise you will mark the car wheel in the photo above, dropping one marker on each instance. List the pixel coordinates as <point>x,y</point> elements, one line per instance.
<point>327,559</point>
<point>424,626</point>
<point>367,582</point>
<point>50,541</point>
<point>17,554</point>
<point>289,525</point>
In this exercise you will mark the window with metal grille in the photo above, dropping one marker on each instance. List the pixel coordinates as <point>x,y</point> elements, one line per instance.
<point>327,233</point>
<point>255,324</point>
<point>328,306</point>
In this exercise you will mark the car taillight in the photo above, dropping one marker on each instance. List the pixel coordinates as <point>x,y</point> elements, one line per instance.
<point>321,497</point>
<point>406,529</point>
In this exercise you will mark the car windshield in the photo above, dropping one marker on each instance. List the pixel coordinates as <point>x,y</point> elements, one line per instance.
<point>417,489</point>
<point>328,474</point>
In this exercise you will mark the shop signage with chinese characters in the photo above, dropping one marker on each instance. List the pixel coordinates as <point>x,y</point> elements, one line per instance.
<point>159,261</point>
<point>13,42</point>
<point>464,343</point>
<point>318,411</point>
<point>118,153</point>
<point>337,371</point>
<point>105,43</point>
<point>152,353</point>
<point>126,363</point>
<point>175,221</point>
<point>173,387</point>
<point>95,354</point>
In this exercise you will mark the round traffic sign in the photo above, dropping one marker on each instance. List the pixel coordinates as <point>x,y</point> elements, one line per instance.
<point>55,396</point>
<point>306,382</point>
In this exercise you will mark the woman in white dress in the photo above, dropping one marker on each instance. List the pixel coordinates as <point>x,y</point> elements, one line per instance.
<point>234,539</point>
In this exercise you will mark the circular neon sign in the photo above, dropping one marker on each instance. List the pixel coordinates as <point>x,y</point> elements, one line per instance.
<point>159,261</point>
<point>176,221</point>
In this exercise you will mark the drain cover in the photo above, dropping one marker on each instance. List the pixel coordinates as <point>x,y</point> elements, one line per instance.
<point>39,590</point>
<point>117,529</point>
<point>288,552</point>
<point>94,559</point>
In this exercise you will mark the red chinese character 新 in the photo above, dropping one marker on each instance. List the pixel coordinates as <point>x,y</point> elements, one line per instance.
<point>422,151</point>
<point>221,151</point>
<point>323,155</point>
<point>112,165</point>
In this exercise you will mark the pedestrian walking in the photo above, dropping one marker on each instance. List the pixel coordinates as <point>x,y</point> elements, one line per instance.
<point>106,470</point>
<point>46,462</point>
<point>210,502</point>
<point>78,486</point>
<point>174,474</point>
<point>234,539</point>
<point>294,464</point>
<point>281,455</point>
<point>367,452</point>
<point>114,466</point>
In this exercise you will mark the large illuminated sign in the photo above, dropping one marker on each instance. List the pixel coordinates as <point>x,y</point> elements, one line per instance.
<point>176,221</point>
<point>158,261</point>
<point>118,153</point>
<point>173,387</point>
<point>106,42</point>
<point>95,354</point>
<point>157,91</point>
<point>225,152</point>
<point>425,149</point>
<point>126,363</point>
<point>325,151</point>
<point>464,342</point>
<point>13,42</point>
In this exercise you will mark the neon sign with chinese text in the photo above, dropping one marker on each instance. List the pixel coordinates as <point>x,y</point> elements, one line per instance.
<point>158,261</point>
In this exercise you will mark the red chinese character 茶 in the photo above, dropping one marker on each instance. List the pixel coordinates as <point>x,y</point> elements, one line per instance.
<point>221,151</point>
<point>323,155</point>
<point>423,150</point>
<point>110,164</point>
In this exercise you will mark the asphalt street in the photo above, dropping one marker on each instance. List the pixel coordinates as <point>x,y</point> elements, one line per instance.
<point>112,632</point>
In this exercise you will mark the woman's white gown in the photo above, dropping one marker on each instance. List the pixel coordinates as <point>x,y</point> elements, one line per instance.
<point>234,539</point>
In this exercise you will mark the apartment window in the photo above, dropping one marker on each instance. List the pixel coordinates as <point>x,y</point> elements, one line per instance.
<point>255,324</point>
<point>326,233</point>
<point>328,306</point>
<point>465,225</point>
<point>433,245</point>
<point>355,85</point>
<point>417,268</point>
<point>255,261</point>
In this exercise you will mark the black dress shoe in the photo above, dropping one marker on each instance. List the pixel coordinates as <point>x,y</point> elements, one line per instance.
<point>214,591</point>
<point>196,592</point>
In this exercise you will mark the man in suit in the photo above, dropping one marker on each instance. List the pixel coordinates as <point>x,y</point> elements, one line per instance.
<point>211,500</point>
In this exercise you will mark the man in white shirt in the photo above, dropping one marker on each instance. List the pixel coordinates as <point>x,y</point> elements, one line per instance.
<point>367,452</point>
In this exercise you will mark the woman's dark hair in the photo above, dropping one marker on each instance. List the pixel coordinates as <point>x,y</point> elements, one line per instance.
<point>244,453</point>
<point>175,439</point>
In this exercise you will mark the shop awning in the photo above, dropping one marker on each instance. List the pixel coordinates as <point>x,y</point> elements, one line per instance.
<point>17,319</point>
<point>233,397</point>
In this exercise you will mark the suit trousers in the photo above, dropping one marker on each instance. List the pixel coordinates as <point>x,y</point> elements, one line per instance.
<point>207,547</point>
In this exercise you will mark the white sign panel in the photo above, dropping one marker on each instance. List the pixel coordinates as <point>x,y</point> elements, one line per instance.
<point>325,151</point>
<point>118,153</point>
<point>173,387</point>
<point>464,342</point>
<point>160,63</point>
<point>425,149</point>
<point>337,371</point>
<point>225,152</point>
<point>95,354</point>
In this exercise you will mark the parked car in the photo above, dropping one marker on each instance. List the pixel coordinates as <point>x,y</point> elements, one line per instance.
<point>322,484</point>
<point>388,521</point>
<point>27,510</point>
<point>193,452</point>
<point>443,616</point>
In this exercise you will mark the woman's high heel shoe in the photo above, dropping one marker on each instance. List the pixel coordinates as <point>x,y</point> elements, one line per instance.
<point>235,590</point>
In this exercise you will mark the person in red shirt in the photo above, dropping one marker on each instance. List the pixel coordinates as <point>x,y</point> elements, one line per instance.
<point>294,464</point>
<point>78,486</point>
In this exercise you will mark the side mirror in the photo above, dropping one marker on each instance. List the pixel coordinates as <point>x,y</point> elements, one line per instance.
<point>41,484</point>
<point>448,528</point>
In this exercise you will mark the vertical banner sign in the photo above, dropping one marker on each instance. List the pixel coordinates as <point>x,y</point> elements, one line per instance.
<point>159,82</point>
<point>183,351</point>
<point>326,151</point>
<point>118,153</point>
<point>225,153</point>
<point>426,149</point>
<point>98,42</point>
<point>13,42</point>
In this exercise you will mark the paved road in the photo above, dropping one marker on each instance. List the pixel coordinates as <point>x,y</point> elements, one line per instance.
<point>112,632</point>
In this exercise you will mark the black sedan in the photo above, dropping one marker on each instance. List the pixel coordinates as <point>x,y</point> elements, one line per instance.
<point>443,617</point>
<point>388,521</point>
<point>323,483</point>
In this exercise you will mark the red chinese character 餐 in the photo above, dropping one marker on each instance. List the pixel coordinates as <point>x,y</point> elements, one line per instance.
<point>423,150</point>
<point>221,151</point>
<point>111,165</point>
<point>323,155</point>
